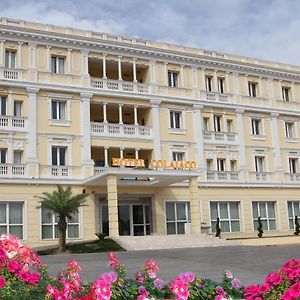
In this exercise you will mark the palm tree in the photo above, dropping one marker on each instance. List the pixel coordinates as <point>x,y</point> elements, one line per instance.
<point>63,204</point>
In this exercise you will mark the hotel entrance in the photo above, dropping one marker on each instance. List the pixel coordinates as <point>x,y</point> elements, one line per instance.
<point>134,219</point>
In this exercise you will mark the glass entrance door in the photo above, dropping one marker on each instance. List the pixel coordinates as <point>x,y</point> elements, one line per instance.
<point>141,219</point>
<point>178,217</point>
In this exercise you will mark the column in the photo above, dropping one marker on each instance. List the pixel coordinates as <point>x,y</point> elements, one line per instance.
<point>120,67</point>
<point>246,85</point>
<point>48,58</point>
<point>104,66</point>
<point>137,153</point>
<point>104,112</point>
<point>85,61</point>
<point>156,128</point>
<point>69,61</point>
<point>242,148</point>
<point>32,55</point>
<point>227,85</point>
<point>260,87</point>
<point>152,65</point>
<point>112,202</point>
<point>280,89</point>
<point>19,60</point>
<point>194,80</point>
<point>10,151</point>
<point>195,205</point>
<point>106,165</point>
<point>236,83</point>
<point>122,152</point>
<point>215,81</point>
<point>293,98</point>
<point>182,77</point>
<point>134,69</point>
<point>203,83</point>
<point>120,114</point>
<point>2,53</point>
<point>271,88</point>
<point>135,111</point>
<point>166,73</point>
<point>10,111</point>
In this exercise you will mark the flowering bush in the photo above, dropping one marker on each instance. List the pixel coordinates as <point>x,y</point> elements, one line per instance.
<point>23,277</point>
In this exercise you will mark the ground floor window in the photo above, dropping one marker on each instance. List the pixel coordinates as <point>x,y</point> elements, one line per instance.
<point>178,217</point>
<point>293,211</point>
<point>266,212</point>
<point>11,218</point>
<point>50,225</point>
<point>228,213</point>
<point>134,219</point>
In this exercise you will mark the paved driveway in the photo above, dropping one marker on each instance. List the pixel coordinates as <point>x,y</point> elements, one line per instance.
<point>249,263</point>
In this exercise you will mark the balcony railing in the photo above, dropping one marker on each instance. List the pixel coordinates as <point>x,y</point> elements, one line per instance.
<point>121,130</point>
<point>13,123</point>
<point>13,74</point>
<point>260,176</point>
<point>13,170</point>
<point>220,97</point>
<point>215,136</point>
<point>222,176</point>
<point>292,177</point>
<point>119,85</point>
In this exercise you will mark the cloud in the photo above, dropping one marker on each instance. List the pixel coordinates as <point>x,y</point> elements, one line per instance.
<point>263,29</point>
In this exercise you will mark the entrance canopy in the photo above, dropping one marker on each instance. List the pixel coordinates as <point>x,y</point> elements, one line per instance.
<point>126,176</point>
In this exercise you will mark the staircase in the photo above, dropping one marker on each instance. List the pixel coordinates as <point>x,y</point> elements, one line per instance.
<point>155,242</point>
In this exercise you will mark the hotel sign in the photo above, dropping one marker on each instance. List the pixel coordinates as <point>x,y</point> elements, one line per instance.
<point>154,164</point>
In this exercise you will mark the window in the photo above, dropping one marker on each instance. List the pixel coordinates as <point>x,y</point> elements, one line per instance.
<point>228,213</point>
<point>256,126</point>
<point>233,165</point>
<point>205,124</point>
<point>178,156</point>
<point>57,65</point>
<point>58,156</point>
<point>173,79</point>
<point>11,218</point>
<point>18,157</point>
<point>293,211</point>
<point>217,123</point>
<point>10,59</point>
<point>259,164</point>
<point>178,215</point>
<point>3,106</point>
<point>3,155</point>
<point>50,225</point>
<point>221,85</point>
<point>175,119</point>
<point>209,163</point>
<point>289,129</point>
<point>17,108</point>
<point>221,164</point>
<point>208,83</point>
<point>293,162</point>
<point>266,212</point>
<point>58,110</point>
<point>252,89</point>
<point>229,126</point>
<point>285,93</point>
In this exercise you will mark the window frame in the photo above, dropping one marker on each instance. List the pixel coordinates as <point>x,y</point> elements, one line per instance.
<point>263,164</point>
<point>178,153</point>
<point>292,218</point>
<point>286,92</point>
<point>208,83</point>
<point>267,218</point>
<point>221,85</point>
<point>3,150</point>
<point>58,155</point>
<point>3,106</point>
<point>287,131</point>
<point>252,89</point>
<point>219,123</point>
<point>11,62</point>
<point>173,79</point>
<point>254,127</point>
<point>57,70</point>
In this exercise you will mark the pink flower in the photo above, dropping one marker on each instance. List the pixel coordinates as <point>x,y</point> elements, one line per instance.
<point>273,279</point>
<point>293,293</point>
<point>187,277</point>
<point>140,278</point>
<point>2,282</point>
<point>220,291</point>
<point>73,267</point>
<point>109,277</point>
<point>158,283</point>
<point>102,289</point>
<point>142,290</point>
<point>151,266</point>
<point>114,261</point>
<point>180,289</point>
<point>14,266</point>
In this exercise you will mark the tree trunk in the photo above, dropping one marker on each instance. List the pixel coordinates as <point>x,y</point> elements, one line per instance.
<point>62,228</point>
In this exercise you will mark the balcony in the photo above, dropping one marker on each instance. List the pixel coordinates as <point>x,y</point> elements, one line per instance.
<point>12,170</point>
<point>11,74</point>
<point>214,96</point>
<point>292,177</point>
<point>217,137</point>
<point>11,123</point>
<point>259,176</point>
<point>222,176</point>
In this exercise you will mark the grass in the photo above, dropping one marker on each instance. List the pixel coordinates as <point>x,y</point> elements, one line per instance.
<point>86,247</point>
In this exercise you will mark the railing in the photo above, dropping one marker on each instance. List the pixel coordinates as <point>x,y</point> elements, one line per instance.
<point>60,171</point>
<point>11,74</point>
<point>293,177</point>
<point>222,176</point>
<point>259,176</point>
<point>215,136</point>
<point>12,170</point>
<point>214,96</point>
<point>13,123</point>
<point>121,130</point>
<point>99,170</point>
<point>119,85</point>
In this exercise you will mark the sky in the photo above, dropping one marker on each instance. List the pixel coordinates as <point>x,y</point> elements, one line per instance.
<point>266,29</point>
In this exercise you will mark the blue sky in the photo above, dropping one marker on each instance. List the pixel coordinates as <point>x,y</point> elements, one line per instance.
<point>267,29</point>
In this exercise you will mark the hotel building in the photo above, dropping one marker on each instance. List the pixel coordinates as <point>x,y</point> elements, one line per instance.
<point>163,138</point>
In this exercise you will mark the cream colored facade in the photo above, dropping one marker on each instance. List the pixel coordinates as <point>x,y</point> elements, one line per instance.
<point>72,100</point>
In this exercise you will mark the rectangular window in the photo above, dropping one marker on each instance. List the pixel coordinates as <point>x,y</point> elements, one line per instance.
<point>18,157</point>
<point>178,156</point>
<point>221,164</point>
<point>221,85</point>
<point>228,213</point>
<point>58,110</point>
<point>173,79</point>
<point>205,124</point>
<point>57,65</point>
<point>293,211</point>
<point>208,83</point>
<point>209,164</point>
<point>3,155</point>
<point>229,126</point>
<point>178,216</point>
<point>259,164</point>
<point>233,165</point>
<point>217,123</point>
<point>175,118</point>
<point>18,108</point>
<point>252,89</point>
<point>266,212</point>
<point>50,225</point>
<point>293,162</point>
<point>58,156</point>
<point>285,93</point>
<point>3,106</point>
<point>11,218</point>
<point>10,59</point>
<point>256,126</point>
<point>289,129</point>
